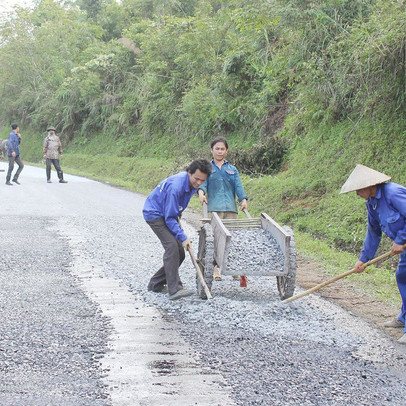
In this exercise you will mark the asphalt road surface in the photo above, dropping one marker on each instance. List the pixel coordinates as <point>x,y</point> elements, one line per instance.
<point>79,328</point>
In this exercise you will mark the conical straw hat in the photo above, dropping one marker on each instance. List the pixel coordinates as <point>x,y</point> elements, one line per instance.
<point>362,177</point>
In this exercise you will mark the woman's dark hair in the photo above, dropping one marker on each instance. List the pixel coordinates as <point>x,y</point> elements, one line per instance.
<point>202,164</point>
<point>14,126</point>
<point>219,139</point>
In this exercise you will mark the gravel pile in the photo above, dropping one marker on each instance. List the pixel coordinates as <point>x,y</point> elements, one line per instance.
<point>309,352</point>
<point>255,250</point>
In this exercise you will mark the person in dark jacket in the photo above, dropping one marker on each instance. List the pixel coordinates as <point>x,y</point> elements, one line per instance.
<point>52,151</point>
<point>162,211</point>
<point>386,205</point>
<point>13,153</point>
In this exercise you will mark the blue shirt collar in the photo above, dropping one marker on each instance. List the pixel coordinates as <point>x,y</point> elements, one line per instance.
<point>372,200</point>
<point>378,193</point>
<point>214,163</point>
<point>187,186</point>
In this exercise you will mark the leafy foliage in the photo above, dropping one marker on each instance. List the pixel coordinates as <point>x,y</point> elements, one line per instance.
<point>302,90</point>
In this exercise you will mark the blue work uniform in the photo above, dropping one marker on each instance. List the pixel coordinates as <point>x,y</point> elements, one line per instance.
<point>13,143</point>
<point>387,213</point>
<point>222,186</point>
<point>168,200</point>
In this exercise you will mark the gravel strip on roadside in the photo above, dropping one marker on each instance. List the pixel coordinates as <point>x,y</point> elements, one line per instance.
<point>309,353</point>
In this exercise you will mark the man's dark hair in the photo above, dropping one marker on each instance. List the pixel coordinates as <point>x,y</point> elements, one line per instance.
<point>219,139</point>
<point>14,126</point>
<point>202,164</point>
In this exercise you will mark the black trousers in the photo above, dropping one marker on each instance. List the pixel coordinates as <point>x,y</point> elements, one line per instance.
<point>11,161</point>
<point>57,168</point>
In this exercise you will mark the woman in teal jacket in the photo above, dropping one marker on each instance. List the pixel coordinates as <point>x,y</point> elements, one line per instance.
<point>222,187</point>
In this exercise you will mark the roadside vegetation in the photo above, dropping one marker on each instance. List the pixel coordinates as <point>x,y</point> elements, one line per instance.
<point>302,90</point>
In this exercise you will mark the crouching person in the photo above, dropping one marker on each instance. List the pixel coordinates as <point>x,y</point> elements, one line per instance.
<point>162,211</point>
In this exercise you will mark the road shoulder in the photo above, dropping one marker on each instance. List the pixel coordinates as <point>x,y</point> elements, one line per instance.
<point>341,292</point>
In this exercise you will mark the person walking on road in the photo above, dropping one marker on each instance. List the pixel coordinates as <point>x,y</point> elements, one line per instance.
<point>386,206</point>
<point>162,211</point>
<point>52,151</point>
<point>221,188</point>
<point>13,153</point>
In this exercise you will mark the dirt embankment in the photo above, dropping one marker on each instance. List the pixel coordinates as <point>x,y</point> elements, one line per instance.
<point>342,292</point>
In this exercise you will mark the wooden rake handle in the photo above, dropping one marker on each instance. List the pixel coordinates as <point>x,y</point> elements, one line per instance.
<point>336,278</point>
<point>199,274</point>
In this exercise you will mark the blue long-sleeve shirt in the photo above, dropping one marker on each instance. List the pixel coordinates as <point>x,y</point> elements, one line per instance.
<point>168,200</point>
<point>387,213</point>
<point>222,186</point>
<point>13,143</point>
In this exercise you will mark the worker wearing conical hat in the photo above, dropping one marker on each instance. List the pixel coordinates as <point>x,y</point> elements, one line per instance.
<point>386,205</point>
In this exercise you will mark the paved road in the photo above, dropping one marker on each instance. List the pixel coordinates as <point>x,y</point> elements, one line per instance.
<point>72,335</point>
<point>79,328</point>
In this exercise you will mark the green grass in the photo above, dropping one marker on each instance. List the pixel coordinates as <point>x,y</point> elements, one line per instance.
<point>136,174</point>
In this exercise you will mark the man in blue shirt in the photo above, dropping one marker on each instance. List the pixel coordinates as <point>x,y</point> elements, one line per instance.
<point>221,188</point>
<point>386,205</point>
<point>162,211</point>
<point>13,153</point>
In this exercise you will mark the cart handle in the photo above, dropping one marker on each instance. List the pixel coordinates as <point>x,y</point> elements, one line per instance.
<point>205,211</point>
<point>199,274</point>
<point>247,213</point>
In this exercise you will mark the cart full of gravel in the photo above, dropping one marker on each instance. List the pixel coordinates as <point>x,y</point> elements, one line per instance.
<point>254,250</point>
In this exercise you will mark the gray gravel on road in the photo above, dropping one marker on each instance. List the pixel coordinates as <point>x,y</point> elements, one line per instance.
<point>308,353</point>
<point>51,335</point>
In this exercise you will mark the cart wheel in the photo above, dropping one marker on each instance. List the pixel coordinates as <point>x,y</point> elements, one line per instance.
<point>205,257</point>
<point>286,284</point>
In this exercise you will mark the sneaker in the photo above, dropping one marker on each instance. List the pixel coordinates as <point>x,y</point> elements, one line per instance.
<point>16,181</point>
<point>63,181</point>
<point>216,274</point>
<point>49,181</point>
<point>402,340</point>
<point>395,323</point>
<point>9,183</point>
<point>181,293</point>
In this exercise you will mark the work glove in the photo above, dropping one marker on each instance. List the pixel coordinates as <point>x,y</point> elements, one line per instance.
<point>187,244</point>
